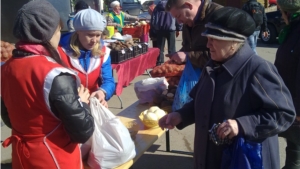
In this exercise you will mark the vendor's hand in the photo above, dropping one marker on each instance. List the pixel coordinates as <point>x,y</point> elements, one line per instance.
<point>118,25</point>
<point>178,57</point>
<point>170,120</point>
<point>265,34</point>
<point>84,94</point>
<point>228,128</point>
<point>100,95</point>
<point>298,118</point>
<point>177,34</point>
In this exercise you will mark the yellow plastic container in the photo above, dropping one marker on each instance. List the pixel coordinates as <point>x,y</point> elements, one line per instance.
<point>111,30</point>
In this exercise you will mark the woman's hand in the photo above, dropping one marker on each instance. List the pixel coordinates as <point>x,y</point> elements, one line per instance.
<point>228,128</point>
<point>170,120</point>
<point>84,94</point>
<point>100,95</point>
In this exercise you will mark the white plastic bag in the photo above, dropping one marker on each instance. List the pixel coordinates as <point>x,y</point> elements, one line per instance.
<point>146,89</point>
<point>85,148</point>
<point>111,141</point>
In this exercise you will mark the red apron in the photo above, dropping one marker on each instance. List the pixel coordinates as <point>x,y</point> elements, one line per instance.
<point>38,137</point>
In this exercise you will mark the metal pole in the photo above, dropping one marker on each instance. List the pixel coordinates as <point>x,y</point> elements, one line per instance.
<point>168,141</point>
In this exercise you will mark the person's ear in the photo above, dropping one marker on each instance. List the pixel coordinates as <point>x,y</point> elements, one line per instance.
<point>188,5</point>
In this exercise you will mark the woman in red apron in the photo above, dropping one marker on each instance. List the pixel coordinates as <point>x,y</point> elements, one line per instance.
<point>42,100</point>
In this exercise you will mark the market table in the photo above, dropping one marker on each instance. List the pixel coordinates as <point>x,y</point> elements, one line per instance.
<point>132,68</point>
<point>144,138</point>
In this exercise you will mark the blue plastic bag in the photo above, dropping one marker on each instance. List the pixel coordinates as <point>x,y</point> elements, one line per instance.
<point>242,154</point>
<point>188,80</point>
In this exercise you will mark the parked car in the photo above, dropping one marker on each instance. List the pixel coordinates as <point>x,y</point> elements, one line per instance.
<point>146,4</point>
<point>275,25</point>
<point>132,7</point>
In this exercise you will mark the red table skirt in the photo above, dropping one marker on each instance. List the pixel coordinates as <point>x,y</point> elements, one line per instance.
<point>132,68</point>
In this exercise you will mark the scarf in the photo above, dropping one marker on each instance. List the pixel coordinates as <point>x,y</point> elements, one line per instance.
<point>286,30</point>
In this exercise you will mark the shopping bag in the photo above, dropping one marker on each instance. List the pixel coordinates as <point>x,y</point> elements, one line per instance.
<point>111,144</point>
<point>242,154</point>
<point>147,89</point>
<point>188,80</point>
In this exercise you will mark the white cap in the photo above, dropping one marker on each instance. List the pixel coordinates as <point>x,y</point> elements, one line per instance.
<point>89,19</point>
<point>114,3</point>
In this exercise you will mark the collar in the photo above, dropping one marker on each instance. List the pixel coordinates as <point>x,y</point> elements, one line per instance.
<point>237,61</point>
<point>84,53</point>
<point>117,13</point>
<point>37,49</point>
<point>199,11</point>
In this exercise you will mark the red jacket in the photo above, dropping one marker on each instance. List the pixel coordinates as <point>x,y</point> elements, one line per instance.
<point>38,139</point>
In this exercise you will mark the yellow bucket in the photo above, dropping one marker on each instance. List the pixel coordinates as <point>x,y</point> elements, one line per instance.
<point>111,30</point>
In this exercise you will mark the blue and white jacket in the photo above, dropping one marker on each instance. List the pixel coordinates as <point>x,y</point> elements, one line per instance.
<point>86,62</point>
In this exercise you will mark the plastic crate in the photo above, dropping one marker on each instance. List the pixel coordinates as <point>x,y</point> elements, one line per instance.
<point>118,56</point>
<point>144,47</point>
<point>137,50</point>
<point>135,32</point>
<point>129,53</point>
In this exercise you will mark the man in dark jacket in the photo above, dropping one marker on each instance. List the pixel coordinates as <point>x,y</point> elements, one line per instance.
<point>163,27</point>
<point>257,11</point>
<point>288,64</point>
<point>193,14</point>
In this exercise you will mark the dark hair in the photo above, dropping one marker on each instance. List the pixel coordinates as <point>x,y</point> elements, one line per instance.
<point>53,53</point>
<point>172,3</point>
<point>80,5</point>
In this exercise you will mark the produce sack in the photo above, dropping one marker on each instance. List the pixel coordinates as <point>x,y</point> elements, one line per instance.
<point>188,80</point>
<point>6,51</point>
<point>167,69</point>
<point>111,143</point>
<point>147,89</point>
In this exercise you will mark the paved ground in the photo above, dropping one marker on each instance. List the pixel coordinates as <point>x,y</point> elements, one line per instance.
<point>156,157</point>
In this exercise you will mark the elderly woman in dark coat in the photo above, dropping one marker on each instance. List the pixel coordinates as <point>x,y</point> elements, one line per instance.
<point>237,89</point>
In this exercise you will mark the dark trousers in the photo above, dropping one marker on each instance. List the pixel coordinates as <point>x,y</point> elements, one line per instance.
<point>292,136</point>
<point>161,38</point>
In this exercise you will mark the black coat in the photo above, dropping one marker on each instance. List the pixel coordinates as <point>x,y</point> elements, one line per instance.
<point>248,89</point>
<point>288,62</point>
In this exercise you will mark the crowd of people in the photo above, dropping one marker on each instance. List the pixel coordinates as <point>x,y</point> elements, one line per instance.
<point>238,95</point>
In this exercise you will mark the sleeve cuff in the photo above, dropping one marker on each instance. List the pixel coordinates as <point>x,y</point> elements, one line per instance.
<point>102,90</point>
